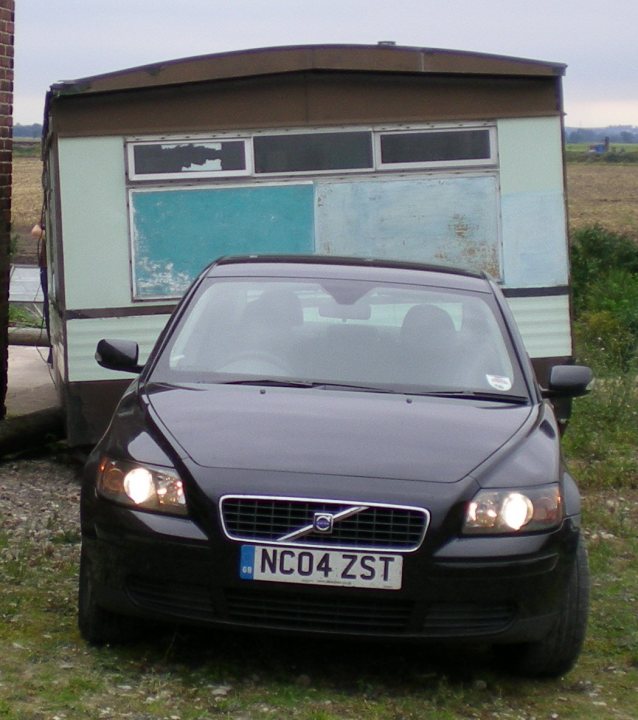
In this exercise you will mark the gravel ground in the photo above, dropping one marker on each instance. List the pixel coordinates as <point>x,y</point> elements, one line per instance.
<point>40,502</point>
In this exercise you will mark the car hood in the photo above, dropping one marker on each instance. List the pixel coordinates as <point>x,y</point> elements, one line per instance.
<point>334,432</point>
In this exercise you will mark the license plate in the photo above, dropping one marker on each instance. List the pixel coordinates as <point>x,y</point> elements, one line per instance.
<point>321,567</point>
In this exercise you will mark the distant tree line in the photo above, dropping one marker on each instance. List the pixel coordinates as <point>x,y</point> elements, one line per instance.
<point>27,131</point>
<point>616,134</point>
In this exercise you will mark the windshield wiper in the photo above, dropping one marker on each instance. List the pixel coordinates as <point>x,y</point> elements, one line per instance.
<point>321,385</point>
<point>475,395</point>
<point>350,386</point>
<point>270,382</point>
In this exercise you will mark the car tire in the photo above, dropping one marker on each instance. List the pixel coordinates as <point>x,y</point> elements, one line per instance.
<point>558,651</point>
<point>97,625</point>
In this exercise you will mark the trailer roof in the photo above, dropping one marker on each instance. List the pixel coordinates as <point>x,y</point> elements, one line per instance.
<point>381,58</point>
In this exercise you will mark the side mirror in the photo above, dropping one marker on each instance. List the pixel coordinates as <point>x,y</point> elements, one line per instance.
<point>118,355</point>
<point>568,381</point>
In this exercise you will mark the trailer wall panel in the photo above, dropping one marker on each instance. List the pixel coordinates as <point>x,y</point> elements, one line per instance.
<point>84,335</point>
<point>94,222</point>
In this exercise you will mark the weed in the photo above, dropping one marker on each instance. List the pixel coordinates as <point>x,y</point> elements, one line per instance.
<point>595,253</point>
<point>23,316</point>
<point>600,443</point>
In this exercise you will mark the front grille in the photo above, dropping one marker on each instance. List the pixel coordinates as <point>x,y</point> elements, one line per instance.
<point>322,613</point>
<point>466,620</point>
<point>187,601</point>
<point>356,525</point>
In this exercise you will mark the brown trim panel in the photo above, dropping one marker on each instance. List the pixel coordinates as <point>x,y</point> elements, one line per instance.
<point>536,291</point>
<point>305,99</point>
<point>89,407</point>
<point>167,309</point>
<point>135,311</point>
<point>303,58</point>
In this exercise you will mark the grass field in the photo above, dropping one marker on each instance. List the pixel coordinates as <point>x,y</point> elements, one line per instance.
<point>603,194</point>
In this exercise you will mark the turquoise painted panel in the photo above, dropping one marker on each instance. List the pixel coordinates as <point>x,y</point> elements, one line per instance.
<point>443,219</point>
<point>178,232</point>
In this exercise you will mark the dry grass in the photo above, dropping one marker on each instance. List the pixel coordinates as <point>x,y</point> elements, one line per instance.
<point>603,194</point>
<point>598,193</point>
<point>26,198</point>
<point>26,206</point>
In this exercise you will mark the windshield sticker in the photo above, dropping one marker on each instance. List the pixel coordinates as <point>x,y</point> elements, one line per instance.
<point>499,382</point>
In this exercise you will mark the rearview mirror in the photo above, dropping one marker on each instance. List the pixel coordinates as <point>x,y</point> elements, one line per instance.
<point>118,355</point>
<point>356,311</point>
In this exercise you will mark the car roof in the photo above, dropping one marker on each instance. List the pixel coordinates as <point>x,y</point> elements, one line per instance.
<point>349,267</point>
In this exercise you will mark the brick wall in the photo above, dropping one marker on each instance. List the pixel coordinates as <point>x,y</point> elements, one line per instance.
<point>7,17</point>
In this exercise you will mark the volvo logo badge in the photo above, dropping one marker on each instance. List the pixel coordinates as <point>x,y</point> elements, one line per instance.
<point>322,522</point>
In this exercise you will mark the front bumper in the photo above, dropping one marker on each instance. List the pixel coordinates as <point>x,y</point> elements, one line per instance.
<point>488,589</point>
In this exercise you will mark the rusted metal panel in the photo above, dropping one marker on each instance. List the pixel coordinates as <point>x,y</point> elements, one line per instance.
<point>443,219</point>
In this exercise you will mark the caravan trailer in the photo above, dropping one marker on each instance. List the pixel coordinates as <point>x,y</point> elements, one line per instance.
<point>416,154</point>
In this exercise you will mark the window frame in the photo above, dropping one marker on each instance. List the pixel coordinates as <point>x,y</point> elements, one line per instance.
<point>135,176</point>
<point>490,161</point>
<point>344,130</point>
<point>249,173</point>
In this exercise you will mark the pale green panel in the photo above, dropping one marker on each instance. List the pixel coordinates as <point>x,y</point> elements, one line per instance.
<point>84,335</point>
<point>530,155</point>
<point>544,323</point>
<point>534,240</point>
<point>94,223</point>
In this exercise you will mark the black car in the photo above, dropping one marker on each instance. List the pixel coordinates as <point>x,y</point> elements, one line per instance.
<point>338,446</point>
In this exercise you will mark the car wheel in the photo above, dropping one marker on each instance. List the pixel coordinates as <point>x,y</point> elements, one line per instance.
<point>558,651</point>
<point>97,625</point>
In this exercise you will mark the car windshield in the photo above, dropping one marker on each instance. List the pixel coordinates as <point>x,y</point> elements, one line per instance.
<point>351,333</point>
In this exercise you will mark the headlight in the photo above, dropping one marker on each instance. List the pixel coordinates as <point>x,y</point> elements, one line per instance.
<point>146,488</point>
<point>494,512</point>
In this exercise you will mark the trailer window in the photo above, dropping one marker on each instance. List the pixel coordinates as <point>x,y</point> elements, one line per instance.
<point>436,147</point>
<point>313,152</point>
<point>320,151</point>
<point>211,158</point>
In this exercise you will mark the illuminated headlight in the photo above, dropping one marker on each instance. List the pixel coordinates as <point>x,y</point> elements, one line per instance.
<point>146,488</point>
<point>494,512</point>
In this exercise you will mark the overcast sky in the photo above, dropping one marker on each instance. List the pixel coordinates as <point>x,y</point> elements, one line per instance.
<point>67,39</point>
